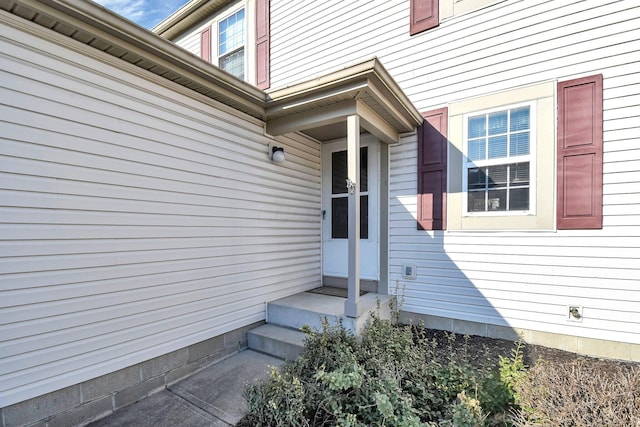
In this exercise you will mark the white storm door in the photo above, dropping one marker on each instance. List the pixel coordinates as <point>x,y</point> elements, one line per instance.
<point>335,209</point>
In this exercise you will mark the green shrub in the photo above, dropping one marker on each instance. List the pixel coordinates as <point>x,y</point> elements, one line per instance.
<point>467,412</point>
<point>497,393</point>
<point>277,402</point>
<point>389,376</point>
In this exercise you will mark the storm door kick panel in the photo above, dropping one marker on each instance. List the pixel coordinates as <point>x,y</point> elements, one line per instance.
<point>335,229</point>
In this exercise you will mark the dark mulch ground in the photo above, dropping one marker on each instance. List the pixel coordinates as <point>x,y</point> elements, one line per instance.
<point>532,353</point>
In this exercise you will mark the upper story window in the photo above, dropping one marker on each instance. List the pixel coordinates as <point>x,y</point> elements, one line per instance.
<point>427,14</point>
<point>498,160</point>
<point>237,39</point>
<point>231,44</point>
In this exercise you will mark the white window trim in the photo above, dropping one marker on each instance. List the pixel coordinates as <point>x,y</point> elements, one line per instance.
<point>215,26</point>
<point>531,158</point>
<point>451,8</point>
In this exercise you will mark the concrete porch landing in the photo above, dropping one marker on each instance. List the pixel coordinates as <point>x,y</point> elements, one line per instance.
<point>281,336</point>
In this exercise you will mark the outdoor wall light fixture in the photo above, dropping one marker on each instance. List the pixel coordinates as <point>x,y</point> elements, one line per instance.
<point>276,154</point>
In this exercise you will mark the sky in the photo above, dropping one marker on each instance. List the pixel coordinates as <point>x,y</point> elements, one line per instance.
<point>146,13</point>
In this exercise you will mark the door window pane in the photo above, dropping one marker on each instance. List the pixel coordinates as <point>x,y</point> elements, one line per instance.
<point>339,171</point>
<point>364,217</point>
<point>339,204</point>
<point>364,166</point>
<point>340,217</point>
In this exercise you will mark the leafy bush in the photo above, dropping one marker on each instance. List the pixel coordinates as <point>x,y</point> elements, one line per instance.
<point>279,401</point>
<point>467,412</point>
<point>498,390</point>
<point>579,393</point>
<point>389,376</point>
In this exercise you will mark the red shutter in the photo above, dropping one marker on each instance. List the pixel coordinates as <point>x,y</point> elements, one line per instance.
<point>205,44</point>
<point>424,15</point>
<point>580,153</point>
<point>432,171</point>
<point>263,44</point>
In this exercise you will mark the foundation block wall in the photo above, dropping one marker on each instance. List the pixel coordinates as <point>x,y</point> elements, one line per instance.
<point>99,397</point>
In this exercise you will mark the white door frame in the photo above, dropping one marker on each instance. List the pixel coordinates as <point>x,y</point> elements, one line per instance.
<point>336,253</point>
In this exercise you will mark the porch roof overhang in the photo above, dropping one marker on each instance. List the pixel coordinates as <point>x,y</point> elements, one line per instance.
<point>319,107</point>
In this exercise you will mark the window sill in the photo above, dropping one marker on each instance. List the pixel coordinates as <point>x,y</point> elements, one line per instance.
<point>498,214</point>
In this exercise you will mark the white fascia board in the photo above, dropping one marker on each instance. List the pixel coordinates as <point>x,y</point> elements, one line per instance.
<point>395,95</point>
<point>375,124</point>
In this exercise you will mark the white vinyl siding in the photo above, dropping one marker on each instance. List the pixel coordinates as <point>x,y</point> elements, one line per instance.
<point>134,220</point>
<point>559,40</point>
<point>517,279</point>
<point>191,42</point>
<point>522,280</point>
<point>308,41</point>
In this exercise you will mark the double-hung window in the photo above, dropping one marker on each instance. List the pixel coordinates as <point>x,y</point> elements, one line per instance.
<point>231,44</point>
<point>498,172</point>
<point>237,39</point>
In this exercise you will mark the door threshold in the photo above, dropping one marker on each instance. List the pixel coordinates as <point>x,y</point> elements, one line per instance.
<point>334,292</point>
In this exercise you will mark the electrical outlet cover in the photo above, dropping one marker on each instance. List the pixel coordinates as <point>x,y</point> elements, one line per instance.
<point>409,271</point>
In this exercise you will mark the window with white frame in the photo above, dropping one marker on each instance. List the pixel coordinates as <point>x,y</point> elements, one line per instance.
<point>498,170</point>
<point>231,44</point>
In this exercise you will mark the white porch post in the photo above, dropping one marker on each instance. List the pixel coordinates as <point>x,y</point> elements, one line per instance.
<point>351,307</point>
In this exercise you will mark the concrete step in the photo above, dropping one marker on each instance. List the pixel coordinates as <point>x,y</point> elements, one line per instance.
<point>278,341</point>
<point>311,309</point>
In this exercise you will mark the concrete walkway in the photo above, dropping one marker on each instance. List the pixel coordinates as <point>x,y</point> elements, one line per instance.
<point>211,397</point>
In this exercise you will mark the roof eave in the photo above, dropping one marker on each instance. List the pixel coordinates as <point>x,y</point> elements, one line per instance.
<point>187,17</point>
<point>103,24</point>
